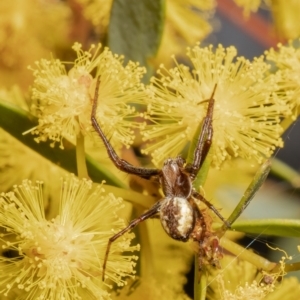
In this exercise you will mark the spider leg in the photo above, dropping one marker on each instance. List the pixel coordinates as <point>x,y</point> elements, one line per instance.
<point>209,250</point>
<point>148,214</point>
<point>210,206</point>
<point>121,164</point>
<point>204,140</point>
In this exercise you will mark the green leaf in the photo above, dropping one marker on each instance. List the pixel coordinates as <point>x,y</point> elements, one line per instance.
<point>285,172</point>
<point>135,29</point>
<point>274,227</point>
<point>252,189</point>
<point>16,121</point>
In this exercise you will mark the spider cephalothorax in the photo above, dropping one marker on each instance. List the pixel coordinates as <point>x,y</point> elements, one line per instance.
<point>178,211</point>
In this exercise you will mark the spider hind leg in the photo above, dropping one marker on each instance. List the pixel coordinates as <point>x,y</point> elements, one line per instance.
<point>211,207</point>
<point>148,214</point>
<point>209,253</point>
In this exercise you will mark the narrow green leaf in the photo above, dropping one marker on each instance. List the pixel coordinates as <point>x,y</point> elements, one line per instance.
<point>253,187</point>
<point>285,172</point>
<point>274,227</point>
<point>203,173</point>
<point>135,29</point>
<point>15,121</point>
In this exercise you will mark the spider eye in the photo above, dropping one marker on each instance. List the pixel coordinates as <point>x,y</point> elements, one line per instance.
<point>180,161</point>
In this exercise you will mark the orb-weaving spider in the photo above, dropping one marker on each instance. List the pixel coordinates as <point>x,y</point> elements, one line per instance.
<point>178,212</point>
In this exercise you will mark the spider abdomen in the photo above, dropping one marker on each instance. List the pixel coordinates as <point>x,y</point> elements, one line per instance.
<point>177,218</point>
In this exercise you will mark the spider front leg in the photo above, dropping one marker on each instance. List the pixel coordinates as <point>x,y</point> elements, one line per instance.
<point>148,214</point>
<point>121,164</point>
<point>204,140</point>
<point>211,207</point>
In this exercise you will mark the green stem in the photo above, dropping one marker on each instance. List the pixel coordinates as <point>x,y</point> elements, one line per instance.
<point>202,175</point>
<point>244,254</point>
<point>200,281</point>
<point>254,186</point>
<point>80,157</point>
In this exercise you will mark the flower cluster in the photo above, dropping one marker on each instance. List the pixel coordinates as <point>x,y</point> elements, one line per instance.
<point>248,283</point>
<point>64,99</point>
<point>287,61</point>
<point>62,258</point>
<point>247,112</point>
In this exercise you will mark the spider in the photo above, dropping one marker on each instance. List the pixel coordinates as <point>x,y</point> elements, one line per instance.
<point>178,212</point>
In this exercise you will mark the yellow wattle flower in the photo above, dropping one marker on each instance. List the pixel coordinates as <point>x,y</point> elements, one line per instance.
<point>62,258</point>
<point>247,112</point>
<point>63,99</point>
<point>287,61</point>
<point>239,280</point>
